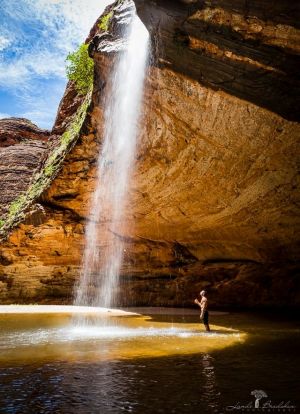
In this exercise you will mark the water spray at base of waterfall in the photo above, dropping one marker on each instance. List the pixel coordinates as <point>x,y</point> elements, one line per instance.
<point>101,263</point>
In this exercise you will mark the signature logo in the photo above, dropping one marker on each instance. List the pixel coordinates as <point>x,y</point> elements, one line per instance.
<point>258,395</point>
<point>262,406</point>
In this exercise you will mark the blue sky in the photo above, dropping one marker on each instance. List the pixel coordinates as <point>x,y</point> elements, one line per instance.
<point>35,38</point>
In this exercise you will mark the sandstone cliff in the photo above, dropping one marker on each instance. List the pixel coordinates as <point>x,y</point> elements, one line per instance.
<point>213,202</point>
<point>22,148</point>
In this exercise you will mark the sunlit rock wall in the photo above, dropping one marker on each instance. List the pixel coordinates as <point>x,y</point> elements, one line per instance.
<point>213,201</point>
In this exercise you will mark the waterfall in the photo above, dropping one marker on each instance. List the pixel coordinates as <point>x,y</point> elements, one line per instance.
<point>101,264</point>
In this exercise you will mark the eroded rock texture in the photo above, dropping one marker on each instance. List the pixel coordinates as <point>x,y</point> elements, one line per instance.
<point>213,201</point>
<point>22,149</point>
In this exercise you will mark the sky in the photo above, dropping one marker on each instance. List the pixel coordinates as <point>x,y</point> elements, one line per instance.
<point>35,39</point>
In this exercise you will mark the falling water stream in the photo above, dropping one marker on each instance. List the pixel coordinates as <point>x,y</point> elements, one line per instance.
<point>101,266</point>
<point>162,361</point>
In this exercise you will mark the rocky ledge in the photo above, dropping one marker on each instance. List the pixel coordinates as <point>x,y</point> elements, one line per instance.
<point>213,203</point>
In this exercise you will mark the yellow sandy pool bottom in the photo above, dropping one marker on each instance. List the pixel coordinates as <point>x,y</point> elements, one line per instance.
<point>27,337</point>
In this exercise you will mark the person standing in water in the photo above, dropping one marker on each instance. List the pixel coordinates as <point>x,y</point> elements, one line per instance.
<point>203,304</point>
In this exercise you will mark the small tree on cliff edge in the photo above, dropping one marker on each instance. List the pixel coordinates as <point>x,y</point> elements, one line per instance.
<point>80,69</point>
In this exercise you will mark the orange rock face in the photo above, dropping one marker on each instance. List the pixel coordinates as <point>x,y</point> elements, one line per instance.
<point>213,200</point>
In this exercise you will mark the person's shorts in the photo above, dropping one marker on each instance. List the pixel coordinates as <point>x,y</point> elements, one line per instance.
<point>205,318</point>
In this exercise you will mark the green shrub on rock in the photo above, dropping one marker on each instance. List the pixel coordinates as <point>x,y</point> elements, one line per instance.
<point>104,22</point>
<point>80,69</point>
<point>43,178</point>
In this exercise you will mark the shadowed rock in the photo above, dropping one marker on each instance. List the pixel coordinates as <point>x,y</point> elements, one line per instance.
<point>247,49</point>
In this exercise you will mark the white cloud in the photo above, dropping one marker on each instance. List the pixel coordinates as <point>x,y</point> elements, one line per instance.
<point>63,25</point>
<point>40,103</point>
<point>67,21</point>
<point>12,74</point>
<point>4,42</point>
<point>19,72</point>
<point>38,35</point>
<point>42,118</point>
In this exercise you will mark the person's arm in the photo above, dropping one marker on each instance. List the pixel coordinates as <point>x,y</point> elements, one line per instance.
<point>197,302</point>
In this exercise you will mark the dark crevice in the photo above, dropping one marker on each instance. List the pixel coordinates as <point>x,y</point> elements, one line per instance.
<point>274,91</point>
<point>229,40</point>
<point>66,197</point>
<point>56,207</point>
<point>233,261</point>
<point>128,279</point>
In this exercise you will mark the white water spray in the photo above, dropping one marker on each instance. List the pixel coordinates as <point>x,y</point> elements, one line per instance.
<point>101,265</point>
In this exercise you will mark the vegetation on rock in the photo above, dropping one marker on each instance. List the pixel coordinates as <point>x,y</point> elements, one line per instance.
<point>44,177</point>
<point>105,20</point>
<point>80,69</point>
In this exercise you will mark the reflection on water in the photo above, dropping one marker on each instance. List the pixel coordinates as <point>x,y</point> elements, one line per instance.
<point>164,364</point>
<point>210,394</point>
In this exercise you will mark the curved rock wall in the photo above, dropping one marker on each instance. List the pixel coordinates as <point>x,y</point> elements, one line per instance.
<point>213,202</point>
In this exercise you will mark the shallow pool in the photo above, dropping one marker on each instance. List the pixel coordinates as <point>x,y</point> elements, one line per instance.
<point>159,362</point>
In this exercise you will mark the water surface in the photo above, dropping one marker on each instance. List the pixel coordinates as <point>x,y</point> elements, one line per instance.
<point>152,364</point>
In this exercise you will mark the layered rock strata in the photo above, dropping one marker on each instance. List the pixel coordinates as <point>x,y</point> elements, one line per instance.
<point>213,201</point>
<point>22,149</point>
